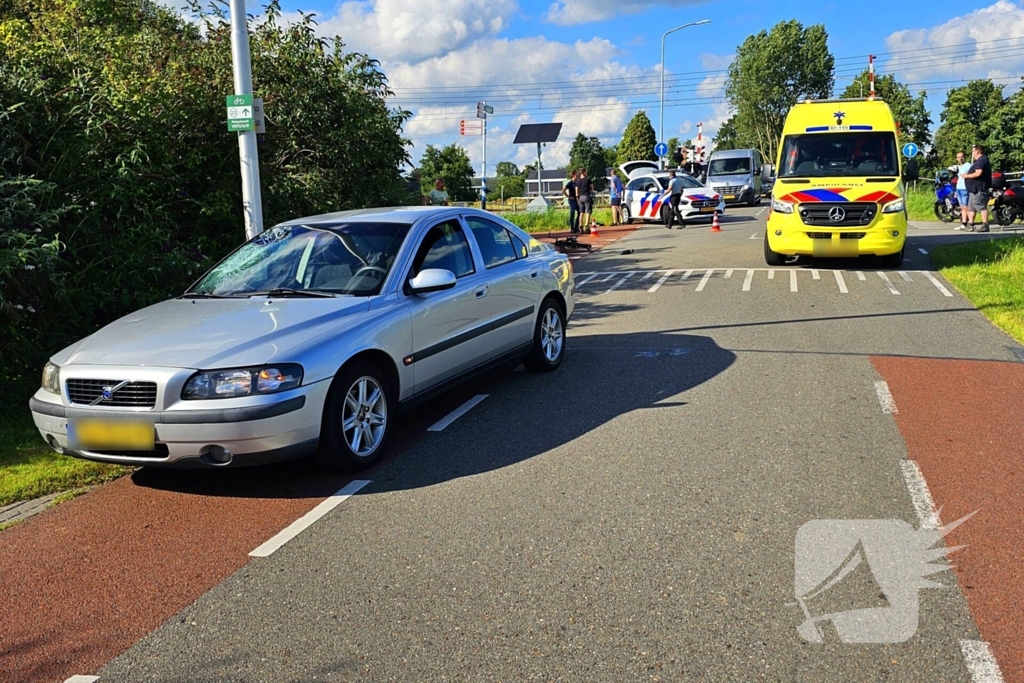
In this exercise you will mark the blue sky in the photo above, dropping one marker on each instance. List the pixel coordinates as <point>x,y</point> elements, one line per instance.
<point>592,64</point>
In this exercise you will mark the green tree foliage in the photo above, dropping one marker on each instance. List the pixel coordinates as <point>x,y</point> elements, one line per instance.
<point>638,140</point>
<point>728,136</point>
<point>114,142</point>
<point>1007,135</point>
<point>674,157</point>
<point>771,72</point>
<point>451,164</point>
<point>910,112</point>
<point>509,181</point>
<point>589,154</point>
<point>972,114</point>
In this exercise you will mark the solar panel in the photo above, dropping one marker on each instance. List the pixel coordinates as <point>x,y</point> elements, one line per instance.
<point>537,132</point>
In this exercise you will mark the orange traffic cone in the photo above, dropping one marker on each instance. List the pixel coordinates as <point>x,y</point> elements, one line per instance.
<point>714,224</point>
<point>593,229</point>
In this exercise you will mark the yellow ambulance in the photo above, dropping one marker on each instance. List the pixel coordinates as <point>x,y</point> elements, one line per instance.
<point>839,184</point>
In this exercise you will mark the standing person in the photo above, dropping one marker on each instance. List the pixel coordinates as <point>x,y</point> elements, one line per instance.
<point>675,189</point>
<point>962,169</point>
<point>569,192</point>
<point>615,197</point>
<point>979,179</point>
<point>585,196</point>
<point>437,196</point>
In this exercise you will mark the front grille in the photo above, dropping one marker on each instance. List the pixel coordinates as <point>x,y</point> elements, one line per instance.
<point>160,452</point>
<point>135,394</point>
<point>820,235</point>
<point>854,213</point>
<point>702,203</point>
<point>729,189</point>
<point>842,235</point>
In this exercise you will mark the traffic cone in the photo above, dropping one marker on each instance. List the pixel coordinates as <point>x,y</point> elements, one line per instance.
<point>714,224</point>
<point>593,229</point>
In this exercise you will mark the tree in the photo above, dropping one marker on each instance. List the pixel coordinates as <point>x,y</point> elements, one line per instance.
<point>1007,137</point>
<point>910,112</point>
<point>509,181</point>
<point>970,116</point>
<point>589,154</point>
<point>673,150</point>
<point>638,140</point>
<point>450,164</point>
<point>728,137</point>
<point>771,72</point>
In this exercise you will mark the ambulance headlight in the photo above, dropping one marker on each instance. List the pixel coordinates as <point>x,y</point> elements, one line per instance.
<point>894,207</point>
<point>781,206</point>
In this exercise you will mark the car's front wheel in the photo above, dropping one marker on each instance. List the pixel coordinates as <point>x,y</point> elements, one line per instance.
<point>548,338</point>
<point>357,418</point>
<point>626,218</point>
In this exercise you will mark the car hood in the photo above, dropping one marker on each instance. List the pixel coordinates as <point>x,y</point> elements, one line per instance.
<point>212,333</point>
<point>735,179</point>
<point>700,193</point>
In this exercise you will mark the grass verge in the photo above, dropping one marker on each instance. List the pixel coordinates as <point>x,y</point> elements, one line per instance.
<point>29,468</point>
<point>921,204</point>
<point>990,274</point>
<point>552,219</point>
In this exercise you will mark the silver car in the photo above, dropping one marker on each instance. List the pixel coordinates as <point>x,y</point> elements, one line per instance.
<point>310,338</point>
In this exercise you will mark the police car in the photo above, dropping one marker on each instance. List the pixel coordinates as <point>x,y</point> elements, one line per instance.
<point>646,196</point>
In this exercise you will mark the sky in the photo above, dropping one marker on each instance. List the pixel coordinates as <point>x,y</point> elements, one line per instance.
<point>592,64</point>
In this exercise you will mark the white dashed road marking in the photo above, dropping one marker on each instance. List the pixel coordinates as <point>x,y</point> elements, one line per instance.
<point>920,496</point>
<point>792,281</point>
<point>815,275</point>
<point>885,398</point>
<point>456,414</point>
<point>588,279</point>
<point>841,282</point>
<point>771,274</point>
<point>888,283</point>
<point>754,236</point>
<point>619,283</point>
<point>747,280</point>
<point>728,273</point>
<point>660,282</point>
<point>307,520</point>
<point>610,276</point>
<point>935,281</point>
<point>980,661</point>
<point>905,276</point>
<point>704,280</point>
<point>79,678</point>
<point>861,276</point>
<point>923,251</point>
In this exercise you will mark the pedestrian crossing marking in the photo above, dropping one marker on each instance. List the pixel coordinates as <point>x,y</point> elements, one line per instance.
<point>622,280</point>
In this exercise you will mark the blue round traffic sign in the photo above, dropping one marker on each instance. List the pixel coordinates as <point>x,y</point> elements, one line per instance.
<point>661,149</point>
<point>910,150</point>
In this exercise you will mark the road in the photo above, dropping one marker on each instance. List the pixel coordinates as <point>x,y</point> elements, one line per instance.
<point>631,517</point>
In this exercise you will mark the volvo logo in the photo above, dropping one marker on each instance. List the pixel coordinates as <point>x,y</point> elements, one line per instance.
<point>837,214</point>
<point>107,393</point>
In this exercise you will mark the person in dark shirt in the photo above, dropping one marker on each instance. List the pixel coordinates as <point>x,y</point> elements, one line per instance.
<point>569,192</point>
<point>978,180</point>
<point>585,196</point>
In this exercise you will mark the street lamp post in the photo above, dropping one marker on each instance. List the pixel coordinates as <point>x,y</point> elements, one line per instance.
<point>661,116</point>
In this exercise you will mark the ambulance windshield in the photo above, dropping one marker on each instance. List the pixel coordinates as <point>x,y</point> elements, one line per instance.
<point>826,155</point>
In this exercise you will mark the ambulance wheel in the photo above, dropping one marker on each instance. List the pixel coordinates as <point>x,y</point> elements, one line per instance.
<point>770,257</point>
<point>894,260</point>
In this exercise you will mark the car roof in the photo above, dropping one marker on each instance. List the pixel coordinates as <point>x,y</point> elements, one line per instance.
<point>384,214</point>
<point>732,154</point>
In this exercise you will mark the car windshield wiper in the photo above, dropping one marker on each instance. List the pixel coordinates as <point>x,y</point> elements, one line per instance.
<point>201,295</point>
<point>281,292</point>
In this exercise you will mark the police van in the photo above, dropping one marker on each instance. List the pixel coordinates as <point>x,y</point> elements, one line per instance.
<point>839,184</point>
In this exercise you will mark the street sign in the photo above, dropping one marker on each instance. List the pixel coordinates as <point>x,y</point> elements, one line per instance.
<point>482,110</point>
<point>910,150</point>
<point>471,127</point>
<point>260,123</point>
<point>661,149</point>
<point>240,113</point>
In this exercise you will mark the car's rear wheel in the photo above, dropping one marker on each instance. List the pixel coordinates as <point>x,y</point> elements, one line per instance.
<point>548,338</point>
<point>772,258</point>
<point>357,418</point>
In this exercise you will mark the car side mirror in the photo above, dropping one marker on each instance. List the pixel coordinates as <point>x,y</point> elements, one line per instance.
<point>767,172</point>
<point>911,170</point>
<point>432,280</point>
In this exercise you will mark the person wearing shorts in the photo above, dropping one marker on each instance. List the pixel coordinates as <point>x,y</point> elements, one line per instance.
<point>585,196</point>
<point>979,179</point>
<point>962,169</point>
<point>615,198</point>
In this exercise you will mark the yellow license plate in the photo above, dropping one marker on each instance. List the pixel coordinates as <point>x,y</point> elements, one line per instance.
<point>730,196</point>
<point>119,435</point>
<point>707,209</point>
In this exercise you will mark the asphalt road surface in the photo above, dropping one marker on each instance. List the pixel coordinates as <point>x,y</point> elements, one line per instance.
<point>632,517</point>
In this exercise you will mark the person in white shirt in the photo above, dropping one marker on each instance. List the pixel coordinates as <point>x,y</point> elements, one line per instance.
<point>962,168</point>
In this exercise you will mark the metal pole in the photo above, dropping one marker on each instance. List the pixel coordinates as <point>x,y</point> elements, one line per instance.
<point>483,176</point>
<point>661,114</point>
<point>540,186</point>
<point>252,201</point>
<point>871,73</point>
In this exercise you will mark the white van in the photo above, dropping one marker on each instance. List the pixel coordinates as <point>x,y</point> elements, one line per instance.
<point>736,175</point>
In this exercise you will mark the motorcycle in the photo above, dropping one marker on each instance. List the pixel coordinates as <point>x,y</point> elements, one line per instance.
<point>1009,204</point>
<point>947,206</point>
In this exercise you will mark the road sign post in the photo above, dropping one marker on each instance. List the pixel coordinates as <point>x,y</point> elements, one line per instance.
<point>482,110</point>
<point>910,150</point>
<point>248,155</point>
<point>661,150</point>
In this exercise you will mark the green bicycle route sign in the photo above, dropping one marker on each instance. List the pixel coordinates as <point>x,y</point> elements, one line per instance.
<point>240,113</point>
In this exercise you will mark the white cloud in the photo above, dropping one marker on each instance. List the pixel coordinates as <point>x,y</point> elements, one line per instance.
<point>984,43</point>
<point>399,30</point>
<point>567,12</point>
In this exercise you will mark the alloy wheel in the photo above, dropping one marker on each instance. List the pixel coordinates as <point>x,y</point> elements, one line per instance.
<point>365,416</point>
<point>551,337</point>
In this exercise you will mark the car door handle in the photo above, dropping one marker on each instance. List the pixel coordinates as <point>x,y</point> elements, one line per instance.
<point>482,292</point>
<point>535,274</point>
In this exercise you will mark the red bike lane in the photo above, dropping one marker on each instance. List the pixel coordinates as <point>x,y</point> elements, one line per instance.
<point>963,422</point>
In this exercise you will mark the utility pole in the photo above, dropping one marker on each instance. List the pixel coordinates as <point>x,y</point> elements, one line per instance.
<point>661,115</point>
<point>248,155</point>
<point>483,175</point>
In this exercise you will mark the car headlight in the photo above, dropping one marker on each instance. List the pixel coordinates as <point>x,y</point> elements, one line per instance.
<point>894,207</point>
<point>238,382</point>
<point>51,378</point>
<point>744,188</point>
<point>781,206</point>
